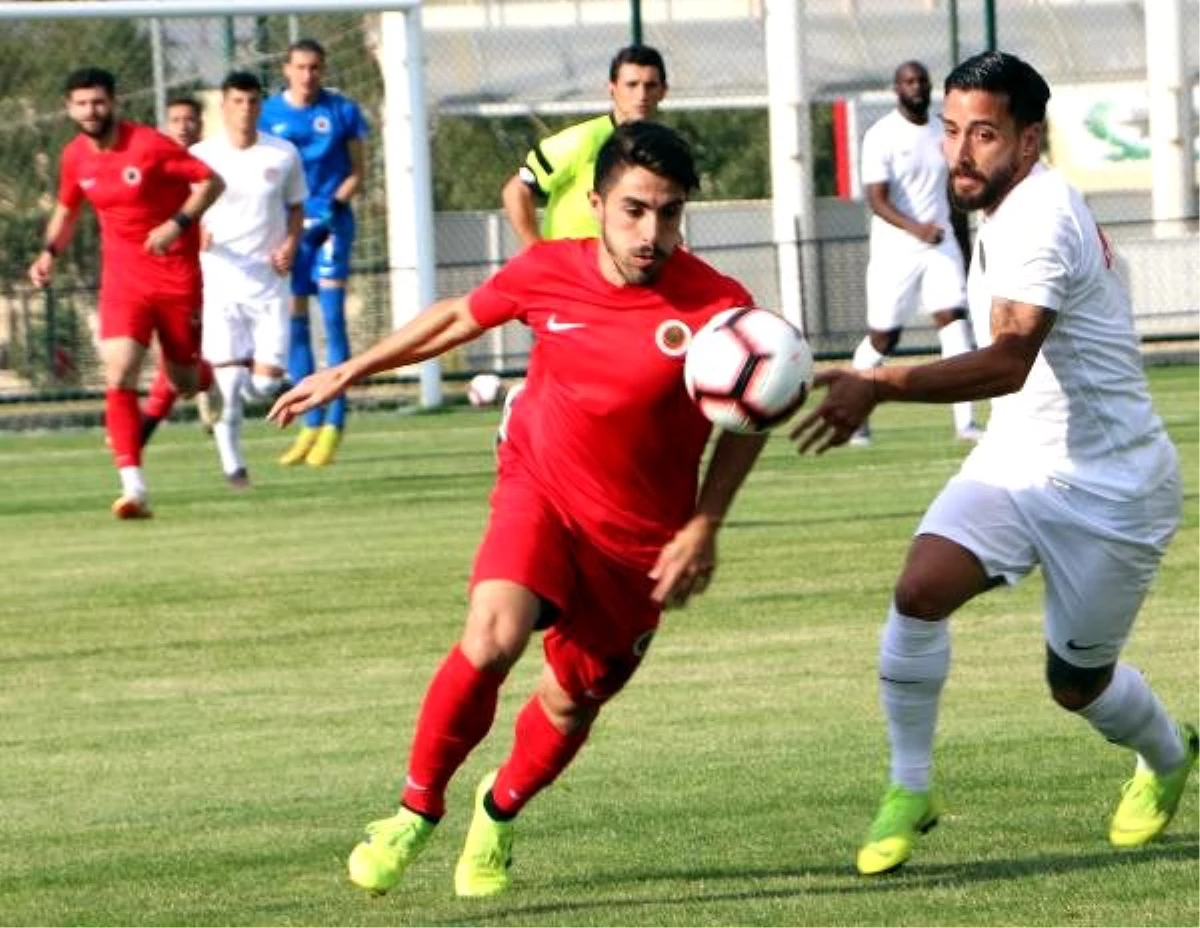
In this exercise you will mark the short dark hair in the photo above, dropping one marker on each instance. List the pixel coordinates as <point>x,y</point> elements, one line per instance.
<point>1025,90</point>
<point>242,80</point>
<point>642,55</point>
<point>183,100</point>
<point>648,145</point>
<point>305,45</point>
<point>83,78</point>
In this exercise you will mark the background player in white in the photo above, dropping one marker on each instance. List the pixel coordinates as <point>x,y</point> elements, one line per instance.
<point>919,246</point>
<point>250,238</point>
<point>1075,473</point>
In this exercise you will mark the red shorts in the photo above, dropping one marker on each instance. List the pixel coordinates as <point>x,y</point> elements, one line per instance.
<point>606,618</point>
<point>174,317</point>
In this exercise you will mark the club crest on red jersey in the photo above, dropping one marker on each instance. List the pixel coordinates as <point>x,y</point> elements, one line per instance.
<point>672,338</point>
<point>131,175</point>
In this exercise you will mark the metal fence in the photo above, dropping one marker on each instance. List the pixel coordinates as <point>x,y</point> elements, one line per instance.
<point>500,73</point>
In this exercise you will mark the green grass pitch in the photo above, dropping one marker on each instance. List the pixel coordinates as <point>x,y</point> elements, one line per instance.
<point>199,713</point>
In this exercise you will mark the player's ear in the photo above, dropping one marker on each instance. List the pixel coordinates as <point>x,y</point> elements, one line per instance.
<point>597,204</point>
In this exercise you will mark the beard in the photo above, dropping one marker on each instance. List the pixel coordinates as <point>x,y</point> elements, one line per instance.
<point>989,195</point>
<point>101,127</point>
<point>638,274</point>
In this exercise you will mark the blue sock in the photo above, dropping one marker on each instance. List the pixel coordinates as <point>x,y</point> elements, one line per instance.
<point>337,345</point>
<point>300,361</point>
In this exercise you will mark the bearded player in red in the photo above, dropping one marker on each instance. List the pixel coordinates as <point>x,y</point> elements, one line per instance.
<point>147,192</point>
<point>599,518</point>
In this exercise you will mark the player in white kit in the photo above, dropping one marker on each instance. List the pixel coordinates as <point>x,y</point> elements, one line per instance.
<point>250,238</point>
<point>918,244</point>
<point>1075,473</point>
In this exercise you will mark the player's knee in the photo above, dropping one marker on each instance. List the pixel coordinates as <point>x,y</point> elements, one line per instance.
<point>919,596</point>
<point>1072,687</point>
<point>496,635</point>
<point>570,716</point>
<point>885,342</point>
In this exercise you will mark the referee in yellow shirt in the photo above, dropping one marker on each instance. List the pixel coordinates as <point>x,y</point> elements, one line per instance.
<point>558,171</point>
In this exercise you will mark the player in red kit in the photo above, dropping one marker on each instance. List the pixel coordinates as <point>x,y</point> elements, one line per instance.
<point>147,192</point>
<point>598,517</point>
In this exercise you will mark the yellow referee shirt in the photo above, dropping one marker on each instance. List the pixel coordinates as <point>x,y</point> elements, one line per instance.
<point>562,167</point>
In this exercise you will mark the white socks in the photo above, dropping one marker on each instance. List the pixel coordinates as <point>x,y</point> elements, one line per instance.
<point>261,387</point>
<point>956,339</point>
<point>914,660</point>
<point>132,482</point>
<point>227,431</point>
<point>865,355</point>
<point>1128,713</point>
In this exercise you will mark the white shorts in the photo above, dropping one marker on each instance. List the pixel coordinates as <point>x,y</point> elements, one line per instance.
<point>1098,556</point>
<point>240,331</point>
<point>898,282</point>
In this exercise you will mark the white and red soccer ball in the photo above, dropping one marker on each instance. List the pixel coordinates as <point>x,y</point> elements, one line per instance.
<point>748,369</point>
<point>485,390</point>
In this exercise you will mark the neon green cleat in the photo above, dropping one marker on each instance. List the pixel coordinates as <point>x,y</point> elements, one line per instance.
<point>325,446</point>
<point>902,815</point>
<point>305,439</point>
<point>378,861</point>
<point>1148,800</point>
<point>482,869</point>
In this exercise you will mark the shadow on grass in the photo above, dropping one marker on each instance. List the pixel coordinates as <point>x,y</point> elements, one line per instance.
<point>818,881</point>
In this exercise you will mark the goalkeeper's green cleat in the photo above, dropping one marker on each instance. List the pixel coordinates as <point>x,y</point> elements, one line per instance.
<point>482,869</point>
<point>1149,800</point>
<point>902,815</point>
<point>378,861</point>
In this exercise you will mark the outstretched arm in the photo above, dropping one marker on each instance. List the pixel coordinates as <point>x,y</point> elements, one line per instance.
<point>686,563</point>
<point>444,325</point>
<point>1018,331</point>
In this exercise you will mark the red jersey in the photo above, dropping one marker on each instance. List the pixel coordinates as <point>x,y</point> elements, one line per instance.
<point>138,184</point>
<point>605,424</point>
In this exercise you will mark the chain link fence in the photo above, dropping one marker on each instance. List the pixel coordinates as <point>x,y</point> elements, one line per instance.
<point>501,74</point>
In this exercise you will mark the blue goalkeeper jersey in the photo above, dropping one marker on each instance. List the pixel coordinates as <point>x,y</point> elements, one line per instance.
<point>321,132</point>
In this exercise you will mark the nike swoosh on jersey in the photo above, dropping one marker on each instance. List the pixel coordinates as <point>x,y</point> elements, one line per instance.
<point>553,325</point>
<point>1081,647</point>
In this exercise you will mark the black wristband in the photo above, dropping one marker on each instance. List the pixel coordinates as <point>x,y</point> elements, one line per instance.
<point>50,249</point>
<point>183,220</point>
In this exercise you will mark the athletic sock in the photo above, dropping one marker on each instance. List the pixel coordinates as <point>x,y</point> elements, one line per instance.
<point>300,361</point>
<point>227,431</point>
<point>956,339</point>
<point>540,753</point>
<point>914,660</point>
<point>337,344</point>
<point>122,420</point>
<point>132,482</point>
<point>458,711</point>
<point>159,402</point>
<point>1128,713</point>
<point>865,356</point>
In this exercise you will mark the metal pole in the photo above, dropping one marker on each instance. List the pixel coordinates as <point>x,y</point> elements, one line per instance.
<point>158,67</point>
<point>635,22</point>
<point>989,24</point>
<point>229,42</point>
<point>953,33</point>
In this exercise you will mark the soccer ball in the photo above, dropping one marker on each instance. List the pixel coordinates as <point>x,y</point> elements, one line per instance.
<point>748,369</point>
<point>484,390</point>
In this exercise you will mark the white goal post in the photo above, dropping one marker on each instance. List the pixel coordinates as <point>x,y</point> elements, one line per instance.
<point>407,169</point>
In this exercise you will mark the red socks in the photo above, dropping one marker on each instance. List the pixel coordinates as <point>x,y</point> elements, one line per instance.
<point>458,711</point>
<point>540,753</point>
<point>123,422</point>
<point>162,395</point>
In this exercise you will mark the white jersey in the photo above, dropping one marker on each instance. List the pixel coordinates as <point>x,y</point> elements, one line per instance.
<point>1084,415</point>
<point>908,158</point>
<point>248,222</point>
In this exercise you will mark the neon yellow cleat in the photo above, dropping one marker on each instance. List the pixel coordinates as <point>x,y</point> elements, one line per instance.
<point>325,447</point>
<point>482,869</point>
<point>1149,800</point>
<point>902,815</point>
<point>305,439</point>
<point>379,860</point>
